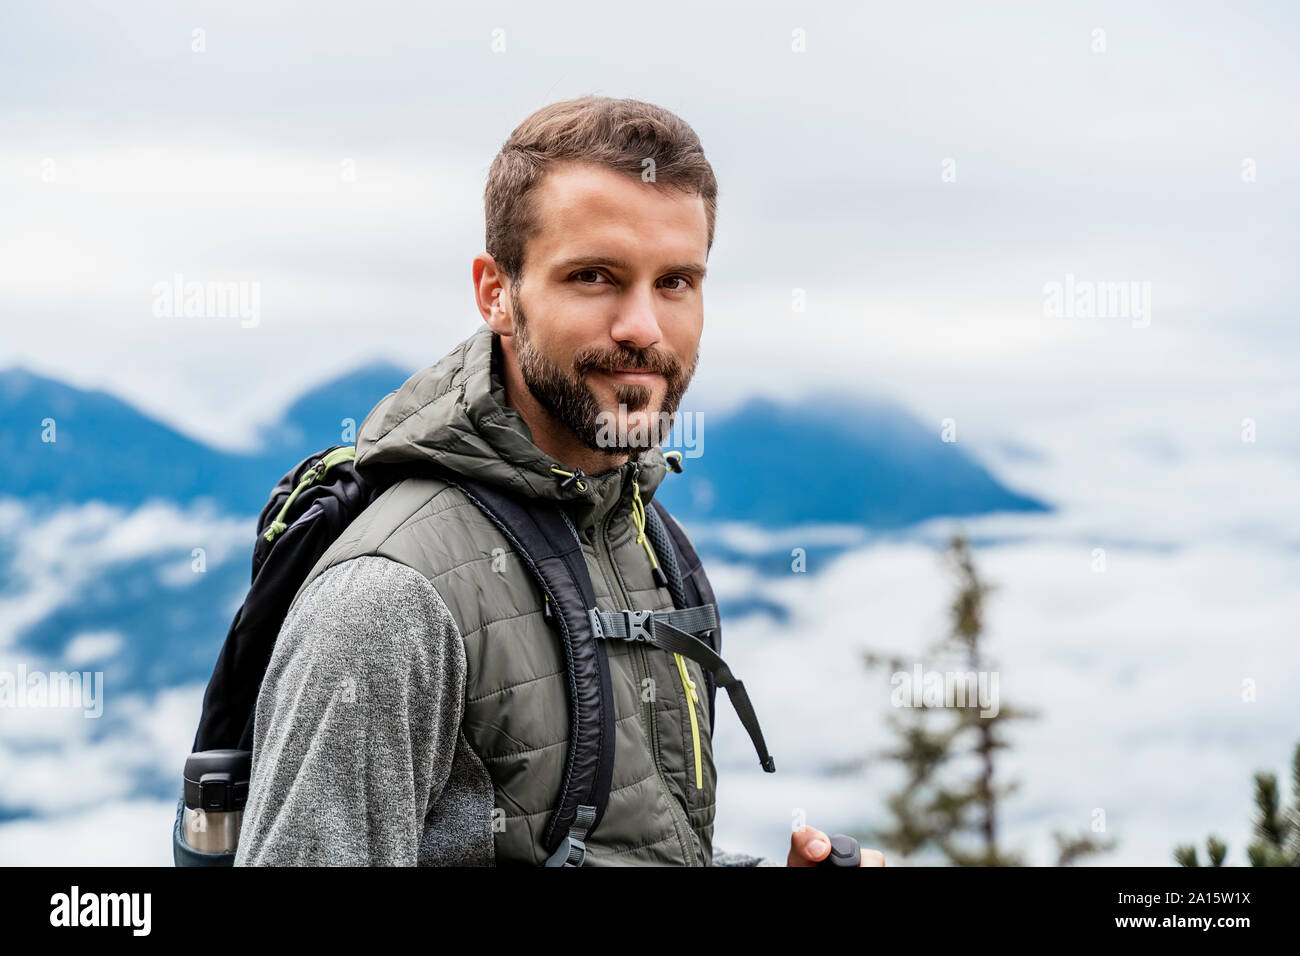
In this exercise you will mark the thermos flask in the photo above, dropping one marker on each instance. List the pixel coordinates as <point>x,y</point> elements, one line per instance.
<point>216,788</point>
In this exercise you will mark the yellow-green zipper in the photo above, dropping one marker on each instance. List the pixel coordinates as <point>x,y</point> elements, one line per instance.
<point>691,698</point>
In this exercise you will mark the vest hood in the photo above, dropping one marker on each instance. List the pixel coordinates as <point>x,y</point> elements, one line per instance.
<point>454,414</point>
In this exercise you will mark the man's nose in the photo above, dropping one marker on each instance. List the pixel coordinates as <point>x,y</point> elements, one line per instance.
<point>636,324</point>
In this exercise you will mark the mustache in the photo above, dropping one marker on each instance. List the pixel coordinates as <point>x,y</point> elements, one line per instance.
<point>640,360</point>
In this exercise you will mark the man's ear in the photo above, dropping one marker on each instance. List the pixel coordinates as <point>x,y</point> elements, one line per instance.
<point>496,317</point>
<point>490,293</point>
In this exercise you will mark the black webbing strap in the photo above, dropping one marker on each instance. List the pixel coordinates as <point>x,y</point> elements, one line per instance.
<point>669,630</point>
<point>640,625</point>
<point>542,535</point>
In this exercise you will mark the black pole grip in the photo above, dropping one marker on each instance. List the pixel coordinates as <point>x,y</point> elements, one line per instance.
<point>845,851</point>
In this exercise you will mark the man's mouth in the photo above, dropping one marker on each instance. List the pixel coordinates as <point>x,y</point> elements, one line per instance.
<point>632,376</point>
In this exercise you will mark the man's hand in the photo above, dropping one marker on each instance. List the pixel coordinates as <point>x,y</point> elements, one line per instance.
<point>809,846</point>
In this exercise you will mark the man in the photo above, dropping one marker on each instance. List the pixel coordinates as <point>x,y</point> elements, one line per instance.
<point>415,709</point>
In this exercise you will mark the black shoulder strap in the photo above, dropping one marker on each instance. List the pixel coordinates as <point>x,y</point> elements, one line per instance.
<point>686,578</point>
<point>549,546</point>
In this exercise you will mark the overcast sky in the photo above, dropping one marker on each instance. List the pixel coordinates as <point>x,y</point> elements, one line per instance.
<point>128,157</point>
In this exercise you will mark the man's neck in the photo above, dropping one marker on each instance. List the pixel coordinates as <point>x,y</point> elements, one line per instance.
<point>550,435</point>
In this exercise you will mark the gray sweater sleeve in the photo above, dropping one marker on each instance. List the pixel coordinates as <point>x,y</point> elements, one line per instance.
<point>723,858</point>
<point>357,722</point>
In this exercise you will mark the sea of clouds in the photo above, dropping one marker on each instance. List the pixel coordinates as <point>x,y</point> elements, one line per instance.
<point>1136,672</point>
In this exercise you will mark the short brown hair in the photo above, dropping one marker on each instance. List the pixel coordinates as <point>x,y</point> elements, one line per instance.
<point>618,134</point>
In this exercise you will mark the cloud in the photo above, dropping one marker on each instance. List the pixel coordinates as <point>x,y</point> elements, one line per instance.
<point>53,762</point>
<point>121,833</point>
<point>1068,162</point>
<point>91,646</point>
<point>64,550</point>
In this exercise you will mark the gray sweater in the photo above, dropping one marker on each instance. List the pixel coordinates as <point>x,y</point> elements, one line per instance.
<point>358,754</point>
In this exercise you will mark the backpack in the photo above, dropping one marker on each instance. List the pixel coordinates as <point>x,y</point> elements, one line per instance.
<point>313,504</point>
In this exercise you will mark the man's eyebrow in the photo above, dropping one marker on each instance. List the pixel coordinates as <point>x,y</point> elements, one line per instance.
<point>687,268</point>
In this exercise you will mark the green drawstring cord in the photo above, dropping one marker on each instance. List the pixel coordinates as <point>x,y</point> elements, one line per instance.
<point>575,475</point>
<point>279,525</point>
<point>638,518</point>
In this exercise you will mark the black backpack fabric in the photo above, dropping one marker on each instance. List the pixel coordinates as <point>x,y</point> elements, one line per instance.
<point>308,509</point>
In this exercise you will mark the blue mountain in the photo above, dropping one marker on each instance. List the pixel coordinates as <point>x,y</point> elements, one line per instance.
<point>320,417</point>
<point>67,444</point>
<point>72,445</point>
<point>829,458</point>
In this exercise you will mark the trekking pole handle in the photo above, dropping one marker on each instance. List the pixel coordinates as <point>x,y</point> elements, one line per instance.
<point>845,851</point>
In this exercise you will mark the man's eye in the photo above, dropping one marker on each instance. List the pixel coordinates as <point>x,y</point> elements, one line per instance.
<point>593,274</point>
<point>686,283</point>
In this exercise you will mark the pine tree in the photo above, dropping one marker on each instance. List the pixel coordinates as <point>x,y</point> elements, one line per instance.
<point>1277,829</point>
<point>943,805</point>
<point>1215,849</point>
<point>1071,848</point>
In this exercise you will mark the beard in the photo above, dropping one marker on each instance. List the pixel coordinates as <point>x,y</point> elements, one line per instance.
<point>566,394</point>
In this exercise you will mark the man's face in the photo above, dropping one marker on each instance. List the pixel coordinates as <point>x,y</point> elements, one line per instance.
<point>610,308</point>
